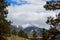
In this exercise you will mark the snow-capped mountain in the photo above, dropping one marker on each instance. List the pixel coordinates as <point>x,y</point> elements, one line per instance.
<point>30,28</point>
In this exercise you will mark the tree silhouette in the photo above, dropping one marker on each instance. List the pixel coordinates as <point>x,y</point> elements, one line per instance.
<point>35,35</point>
<point>21,33</point>
<point>4,24</point>
<point>52,5</point>
<point>53,22</point>
<point>44,34</point>
<point>14,32</point>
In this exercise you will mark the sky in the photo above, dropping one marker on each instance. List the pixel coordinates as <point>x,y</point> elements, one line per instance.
<point>29,12</point>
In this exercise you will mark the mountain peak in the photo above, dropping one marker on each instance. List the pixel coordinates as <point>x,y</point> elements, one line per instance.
<point>33,28</point>
<point>30,25</point>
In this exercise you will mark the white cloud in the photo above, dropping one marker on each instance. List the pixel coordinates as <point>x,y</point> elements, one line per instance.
<point>29,13</point>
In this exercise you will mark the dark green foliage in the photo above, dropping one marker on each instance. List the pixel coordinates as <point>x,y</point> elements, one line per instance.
<point>54,26</point>
<point>14,32</point>
<point>52,5</point>
<point>52,33</point>
<point>21,33</point>
<point>4,24</point>
<point>34,35</point>
<point>54,21</point>
<point>2,38</point>
<point>44,35</point>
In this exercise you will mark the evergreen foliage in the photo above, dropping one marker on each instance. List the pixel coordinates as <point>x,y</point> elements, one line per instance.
<point>14,32</point>
<point>53,22</point>
<point>34,35</point>
<point>44,35</point>
<point>21,33</point>
<point>54,26</point>
<point>52,5</point>
<point>4,24</point>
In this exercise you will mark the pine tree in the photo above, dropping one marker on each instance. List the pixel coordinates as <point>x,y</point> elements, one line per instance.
<point>34,35</point>
<point>21,33</point>
<point>44,35</point>
<point>53,22</point>
<point>52,5</point>
<point>4,24</point>
<point>14,32</point>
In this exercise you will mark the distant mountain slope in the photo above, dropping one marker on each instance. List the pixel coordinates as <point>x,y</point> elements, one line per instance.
<point>27,29</point>
<point>14,27</point>
<point>30,28</point>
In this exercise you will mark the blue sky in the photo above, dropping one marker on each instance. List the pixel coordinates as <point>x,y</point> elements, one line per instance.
<point>14,2</point>
<point>21,2</point>
<point>27,12</point>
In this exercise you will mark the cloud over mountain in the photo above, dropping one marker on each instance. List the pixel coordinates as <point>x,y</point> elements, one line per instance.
<point>31,12</point>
